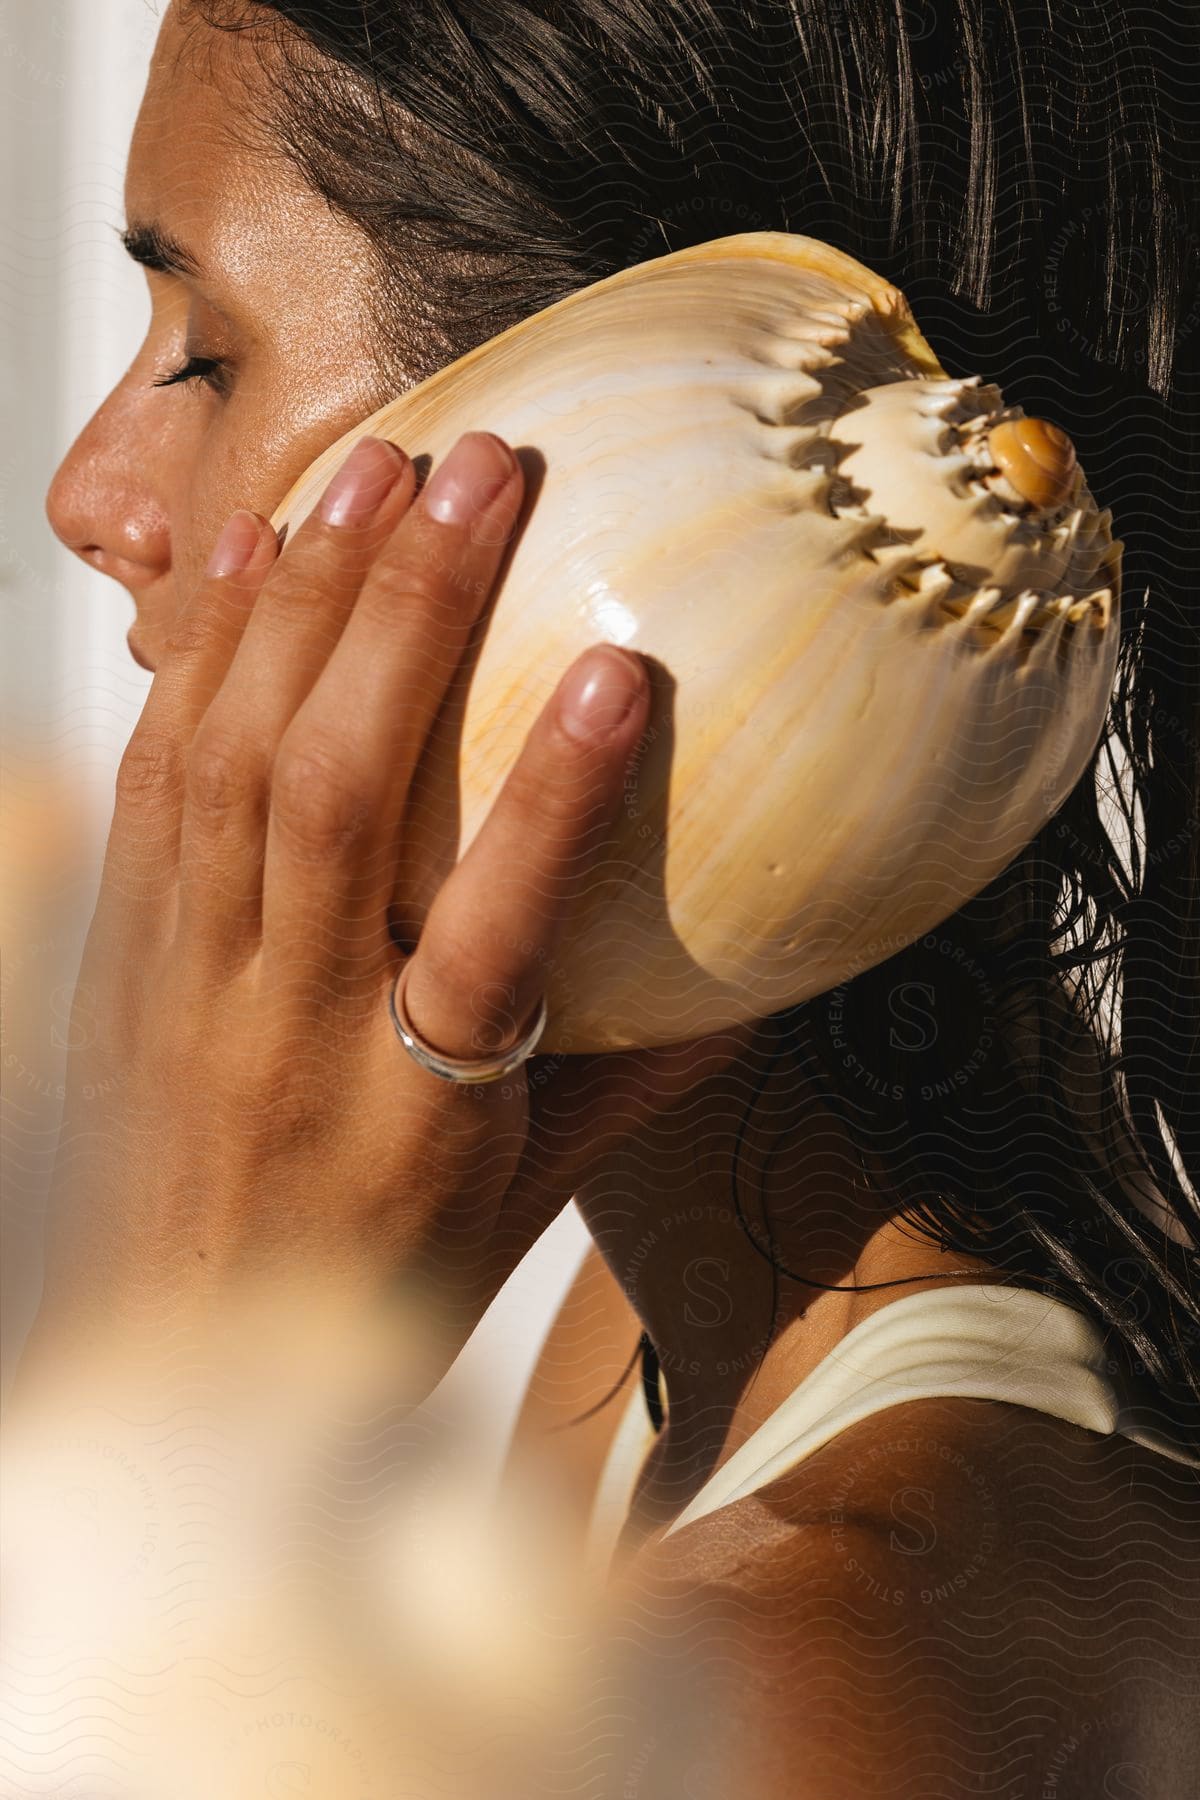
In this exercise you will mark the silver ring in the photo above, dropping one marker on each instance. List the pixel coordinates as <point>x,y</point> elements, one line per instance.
<point>459,1068</point>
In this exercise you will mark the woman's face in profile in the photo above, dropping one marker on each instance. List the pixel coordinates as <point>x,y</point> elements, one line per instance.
<point>260,279</point>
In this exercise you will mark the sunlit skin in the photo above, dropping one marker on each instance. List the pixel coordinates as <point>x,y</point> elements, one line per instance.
<point>281,294</point>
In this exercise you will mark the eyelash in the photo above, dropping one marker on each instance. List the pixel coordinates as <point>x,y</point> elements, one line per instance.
<point>212,370</point>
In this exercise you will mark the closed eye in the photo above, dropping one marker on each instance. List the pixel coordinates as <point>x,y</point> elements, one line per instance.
<point>212,370</point>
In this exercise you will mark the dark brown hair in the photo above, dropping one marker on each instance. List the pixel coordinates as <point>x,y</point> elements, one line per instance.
<point>1023,172</point>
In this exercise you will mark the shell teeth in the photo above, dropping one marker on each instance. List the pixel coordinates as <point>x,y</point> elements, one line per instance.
<point>972,526</point>
<point>1096,606</point>
<point>778,395</point>
<point>985,603</point>
<point>930,578</point>
<point>837,320</point>
<point>940,404</point>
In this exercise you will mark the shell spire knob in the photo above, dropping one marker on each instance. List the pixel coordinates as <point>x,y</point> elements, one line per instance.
<point>1036,459</point>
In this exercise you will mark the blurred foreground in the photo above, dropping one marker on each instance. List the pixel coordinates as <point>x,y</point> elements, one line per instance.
<point>243,1573</point>
<point>241,1567</point>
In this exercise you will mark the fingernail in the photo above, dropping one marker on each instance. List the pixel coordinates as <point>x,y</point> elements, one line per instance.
<point>236,544</point>
<point>468,478</point>
<point>359,487</point>
<point>598,693</point>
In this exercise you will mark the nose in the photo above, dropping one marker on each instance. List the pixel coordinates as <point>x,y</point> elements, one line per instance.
<point>102,505</point>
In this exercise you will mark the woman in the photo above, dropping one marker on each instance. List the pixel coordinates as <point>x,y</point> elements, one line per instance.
<point>976,1586</point>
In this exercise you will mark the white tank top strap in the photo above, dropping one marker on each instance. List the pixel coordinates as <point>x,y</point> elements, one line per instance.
<point>986,1341</point>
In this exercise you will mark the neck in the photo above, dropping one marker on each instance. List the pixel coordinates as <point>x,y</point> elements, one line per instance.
<point>717,1294</point>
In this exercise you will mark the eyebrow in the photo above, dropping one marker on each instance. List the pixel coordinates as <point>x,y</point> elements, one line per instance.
<point>156,249</point>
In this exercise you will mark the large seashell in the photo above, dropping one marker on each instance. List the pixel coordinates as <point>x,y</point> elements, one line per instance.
<point>878,668</point>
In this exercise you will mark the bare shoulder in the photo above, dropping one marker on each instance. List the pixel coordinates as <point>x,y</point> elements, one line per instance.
<point>954,1596</point>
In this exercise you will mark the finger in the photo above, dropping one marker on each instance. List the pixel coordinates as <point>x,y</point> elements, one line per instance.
<point>141,865</point>
<point>301,612</point>
<point>205,636</point>
<point>479,970</point>
<point>346,762</point>
<point>295,624</point>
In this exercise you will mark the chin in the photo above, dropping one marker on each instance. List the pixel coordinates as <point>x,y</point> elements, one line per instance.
<point>138,651</point>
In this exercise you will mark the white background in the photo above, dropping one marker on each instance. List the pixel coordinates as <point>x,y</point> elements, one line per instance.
<point>74,309</point>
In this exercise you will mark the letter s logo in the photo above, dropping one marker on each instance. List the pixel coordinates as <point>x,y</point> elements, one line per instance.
<point>920,1525</point>
<point>719,1307</point>
<point>923,1023</point>
<point>1126,1781</point>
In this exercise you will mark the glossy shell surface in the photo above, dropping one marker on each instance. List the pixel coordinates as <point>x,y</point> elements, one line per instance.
<point>878,668</point>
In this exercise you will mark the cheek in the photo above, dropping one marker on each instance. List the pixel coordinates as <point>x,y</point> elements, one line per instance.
<point>217,486</point>
<point>258,447</point>
<point>233,467</point>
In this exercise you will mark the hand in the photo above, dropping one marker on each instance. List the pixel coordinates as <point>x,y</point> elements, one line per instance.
<point>242,1109</point>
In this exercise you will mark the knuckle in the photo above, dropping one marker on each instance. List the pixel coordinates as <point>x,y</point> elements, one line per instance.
<point>319,801</point>
<point>150,771</point>
<point>316,584</point>
<point>406,599</point>
<point>424,576</point>
<point>221,772</point>
<point>189,635</point>
<point>549,793</point>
